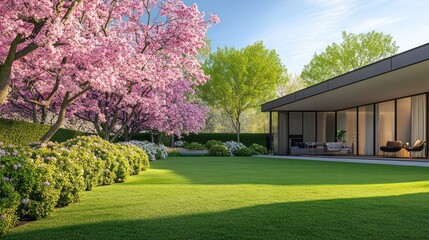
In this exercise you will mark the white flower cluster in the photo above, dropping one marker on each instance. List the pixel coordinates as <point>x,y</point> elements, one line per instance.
<point>233,146</point>
<point>152,150</point>
<point>162,151</point>
<point>179,143</point>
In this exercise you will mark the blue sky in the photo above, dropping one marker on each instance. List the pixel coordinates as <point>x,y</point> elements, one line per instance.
<point>297,29</point>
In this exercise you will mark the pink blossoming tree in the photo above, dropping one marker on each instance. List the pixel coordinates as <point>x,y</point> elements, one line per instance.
<point>111,53</point>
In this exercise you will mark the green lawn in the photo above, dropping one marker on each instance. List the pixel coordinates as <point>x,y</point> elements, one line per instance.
<point>252,198</point>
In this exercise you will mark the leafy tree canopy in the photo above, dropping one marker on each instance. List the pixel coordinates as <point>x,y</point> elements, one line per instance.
<point>241,79</point>
<point>355,51</point>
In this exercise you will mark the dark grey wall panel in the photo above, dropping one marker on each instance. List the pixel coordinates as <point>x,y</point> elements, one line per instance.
<point>410,57</point>
<point>311,91</point>
<point>361,74</point>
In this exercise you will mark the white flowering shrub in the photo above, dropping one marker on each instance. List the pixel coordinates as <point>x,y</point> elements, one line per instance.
<point>161,152</point>
<point>179,143</point>
<point>233,146</point>
<point>153,150</point>
<point>35,179</point>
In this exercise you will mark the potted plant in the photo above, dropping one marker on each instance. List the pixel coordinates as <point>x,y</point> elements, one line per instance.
<point>341,134</point>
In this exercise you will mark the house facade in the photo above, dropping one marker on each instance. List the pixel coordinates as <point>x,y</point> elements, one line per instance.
<point>384,101</point>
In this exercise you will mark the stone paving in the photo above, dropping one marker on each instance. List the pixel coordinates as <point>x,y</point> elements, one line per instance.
<point>386,161</point>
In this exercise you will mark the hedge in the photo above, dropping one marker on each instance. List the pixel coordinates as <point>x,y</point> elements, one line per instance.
<point>21,132</point>
<point>245,138</point>
<point>34,180</point>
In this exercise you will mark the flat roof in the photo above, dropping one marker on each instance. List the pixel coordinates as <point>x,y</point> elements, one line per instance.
<point>401,75</point>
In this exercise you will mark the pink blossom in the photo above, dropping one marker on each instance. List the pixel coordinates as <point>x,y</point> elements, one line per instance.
<point>107,66</point>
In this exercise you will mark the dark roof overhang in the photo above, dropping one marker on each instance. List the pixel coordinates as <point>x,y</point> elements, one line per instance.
<point>402,75</point>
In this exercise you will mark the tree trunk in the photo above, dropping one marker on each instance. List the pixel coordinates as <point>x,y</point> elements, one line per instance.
<point>59,122</point>
<point>44,116</point>
<point>62,115</point>
<point>127,134</point>
<point>238,132</point>
<point>6,69</point>
<point>172,141</point>
<point>238,124</point>
<point>34,113</point>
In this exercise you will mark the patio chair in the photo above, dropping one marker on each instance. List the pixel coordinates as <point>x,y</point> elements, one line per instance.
<point>391,147</point>
<point>418,147</point>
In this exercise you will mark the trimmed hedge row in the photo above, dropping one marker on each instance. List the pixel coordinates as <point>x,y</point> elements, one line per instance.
<point>25,132</point>
<point>245,138</point>
<point>21,132</point>
<point>35,179</point>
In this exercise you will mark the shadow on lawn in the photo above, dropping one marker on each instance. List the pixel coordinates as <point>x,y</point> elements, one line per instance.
<point>286,172</point>
<point>393,217</point>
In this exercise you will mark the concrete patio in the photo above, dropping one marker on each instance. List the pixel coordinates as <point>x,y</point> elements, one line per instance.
<point>417,162</point>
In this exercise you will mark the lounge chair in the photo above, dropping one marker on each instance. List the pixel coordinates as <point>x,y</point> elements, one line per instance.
<point>391,147</point>
<point>418,147</point>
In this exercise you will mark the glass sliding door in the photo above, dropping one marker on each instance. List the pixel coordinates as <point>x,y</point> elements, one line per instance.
<point>403,117</point>
<point>309,131</point>
<point>418,119</point>
<point>366,130</point>
<point>385,124</point>
<point>295,123</point>
<point>275,132</point>
<point>325,127</point>
<point>347,120</point>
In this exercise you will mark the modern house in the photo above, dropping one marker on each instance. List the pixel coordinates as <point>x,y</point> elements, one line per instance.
<point>384,101</point>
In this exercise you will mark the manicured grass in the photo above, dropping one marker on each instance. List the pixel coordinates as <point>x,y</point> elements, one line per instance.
<point>249,198</point>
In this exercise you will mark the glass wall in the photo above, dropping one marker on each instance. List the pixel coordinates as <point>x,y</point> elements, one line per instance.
<point>347,120</point>
<point>295,123</point>
<point>385,124</point>
<point>403,120</point>
<point>309,131</point>
<point>368,127</point>
<point>418,119</point>
<point>366,130</point>
<point>325,127</point>
<point>275,131</point>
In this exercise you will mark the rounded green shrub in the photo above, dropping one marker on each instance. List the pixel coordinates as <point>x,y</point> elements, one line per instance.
<point>123,170</point>
<point>136,157</point>
<point>81,148</point>
<point>219,150</point>
<point>9,202</point>
<point>173,153</point>
<point>259,149</point>
<point>195,146</point>
<point>243,152</point>
<point>211,143</point>
<point>34,181</point>
<point>69,178</point>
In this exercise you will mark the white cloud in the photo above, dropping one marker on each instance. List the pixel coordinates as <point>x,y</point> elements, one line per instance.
<point>319,23</point>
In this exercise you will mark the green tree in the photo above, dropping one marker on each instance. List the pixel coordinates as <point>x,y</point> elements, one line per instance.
<point>290,84</point>
<point>241,80</point>
<point>355,51</point>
